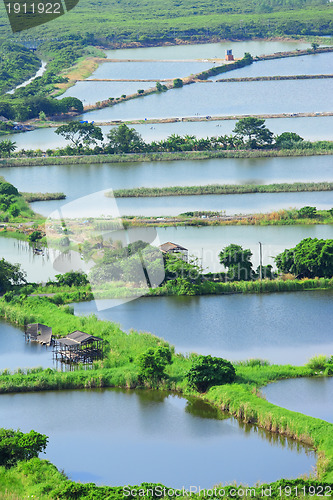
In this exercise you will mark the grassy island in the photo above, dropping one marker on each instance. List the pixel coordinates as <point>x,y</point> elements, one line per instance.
<point>122,367</point>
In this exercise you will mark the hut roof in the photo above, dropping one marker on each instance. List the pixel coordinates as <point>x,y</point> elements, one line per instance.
<point>78,337</point>
<point>40,333</point>
<point>166,247</point>
<point>35,328</point>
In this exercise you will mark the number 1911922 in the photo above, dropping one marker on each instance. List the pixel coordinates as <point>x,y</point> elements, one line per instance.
<point>34,8</point>
<point>321,491</point>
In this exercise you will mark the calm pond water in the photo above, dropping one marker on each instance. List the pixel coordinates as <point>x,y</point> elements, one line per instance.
<point>288,327</point>
<point>125,431</point>
<point>232,204</point>
<point>80,180</point>
<point>310,128</point>
<point>316,64</point>
<point>97,204</point>
<point>148,70</point>
<point>91,92</point>
<point>39,268</point>
<point>15,352</point>
<point>212,98</point>
<point>312,396</point>
<point>206,50</point>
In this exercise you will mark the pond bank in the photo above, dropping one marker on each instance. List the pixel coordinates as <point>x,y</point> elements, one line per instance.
<point>147,157</point>
<point>239,400</point>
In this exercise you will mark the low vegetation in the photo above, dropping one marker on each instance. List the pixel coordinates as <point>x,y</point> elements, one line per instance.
<point>143,192</point>
<point>157,22</point>
<point>30,197</point>
<point>17,64</point>
<point>13,206</point>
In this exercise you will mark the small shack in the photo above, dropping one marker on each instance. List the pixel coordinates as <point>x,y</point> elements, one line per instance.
<point>229,55</point>
<point>36,332</point>
<point>173,248</point>
<point>78,347</point>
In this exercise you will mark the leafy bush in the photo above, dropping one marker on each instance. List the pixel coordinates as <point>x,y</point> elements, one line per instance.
<point>153,362</point>
<point>318,363</point>
<point>177,83</point>
<point>15,446</point>
<point>207,371</point>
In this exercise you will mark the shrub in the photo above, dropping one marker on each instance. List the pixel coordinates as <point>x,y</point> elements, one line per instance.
<point>177,83</point>
<point>207,371</point>
<point>153,362</point>
<point>318,362</point>
<point>15,446</point>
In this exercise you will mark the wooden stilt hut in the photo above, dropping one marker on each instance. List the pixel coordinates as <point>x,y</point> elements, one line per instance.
<point>78,347</point>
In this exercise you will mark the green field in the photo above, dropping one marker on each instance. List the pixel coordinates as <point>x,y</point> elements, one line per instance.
<point>157,21</point>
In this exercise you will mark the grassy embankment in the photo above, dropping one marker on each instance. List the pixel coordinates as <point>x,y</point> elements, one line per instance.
<point>82,69</point>
<point>327,149</point>
<point>121,289</point>
<point>213,189</point>
<point>119,368</point>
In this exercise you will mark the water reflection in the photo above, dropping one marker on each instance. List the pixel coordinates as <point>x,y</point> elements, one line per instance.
<point>293,326</point>
<point>16,353</point>
<point>136,436</point>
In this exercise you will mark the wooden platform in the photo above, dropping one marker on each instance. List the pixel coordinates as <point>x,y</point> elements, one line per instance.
<point>36,332</point>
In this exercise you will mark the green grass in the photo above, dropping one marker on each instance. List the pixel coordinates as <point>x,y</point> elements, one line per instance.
<point>213,189</point>
<point>157,21</point>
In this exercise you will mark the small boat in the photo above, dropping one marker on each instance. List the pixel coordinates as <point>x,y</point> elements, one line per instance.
<point>38,251</point>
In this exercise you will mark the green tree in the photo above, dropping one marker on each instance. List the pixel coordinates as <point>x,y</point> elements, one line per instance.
<point>72,278</point>
<point>207,371</point>
<point>7,147</point>
<point>307,212</point>
<point>310,258</point>
<point>177,268</point>
<point>14,210</point>
<point>123,139</point>
<point>35,236</point>
<point>177,83</point>
<point>314,46</point>
<point>266,272</point>
<point>152,363</point>
<point>78,133</point>
<point>71,104</point>
<point>237,261</point>
<point>160,87</point>
<point>287,140</point>
<point>10,275</point>
<point>16,446</point>
<point>254,130</point>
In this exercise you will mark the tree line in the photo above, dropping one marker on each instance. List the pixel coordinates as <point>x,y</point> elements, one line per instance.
<point>249,133</point>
